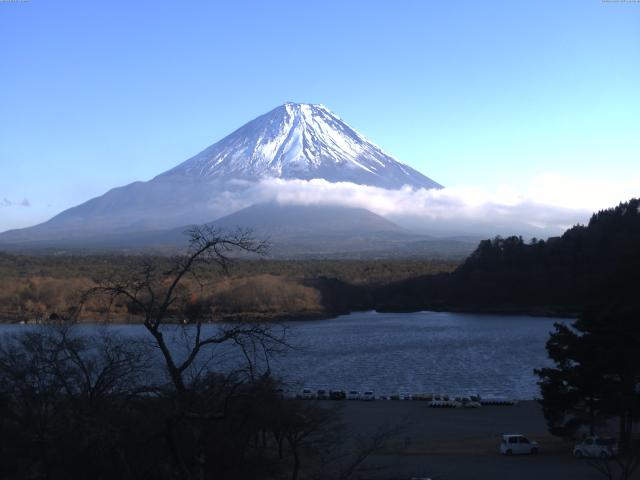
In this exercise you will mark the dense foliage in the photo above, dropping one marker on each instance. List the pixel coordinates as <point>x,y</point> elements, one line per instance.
<point>35,287</point>
<point>596,373</point>
<point>593,264</point>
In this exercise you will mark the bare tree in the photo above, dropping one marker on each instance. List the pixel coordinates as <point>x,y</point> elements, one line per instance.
<point>344,456</point>
<point>304,426</point>
<point>161,299</point>
<point>62,391</point>
<point>621,467</point>
<point>53,362</point>
<point>316,435</point>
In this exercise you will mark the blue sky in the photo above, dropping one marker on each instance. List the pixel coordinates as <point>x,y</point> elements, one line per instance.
<point>483,94</point>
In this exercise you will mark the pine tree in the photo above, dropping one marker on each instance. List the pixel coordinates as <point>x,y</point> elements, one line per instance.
<point>596,375</point>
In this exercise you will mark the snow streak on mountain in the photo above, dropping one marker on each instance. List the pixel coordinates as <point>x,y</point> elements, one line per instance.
<point>301,141</point>
<point>277,151</point>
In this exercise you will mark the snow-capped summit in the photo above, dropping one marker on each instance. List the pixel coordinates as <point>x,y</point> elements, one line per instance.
<point>301,141</point>
<point>293,141</point>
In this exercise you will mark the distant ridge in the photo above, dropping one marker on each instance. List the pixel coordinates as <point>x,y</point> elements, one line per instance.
<point>294,232</point>
<point>292,141</point>
<point>276,219</point>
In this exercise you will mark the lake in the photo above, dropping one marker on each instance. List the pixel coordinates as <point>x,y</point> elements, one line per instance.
<point>423,352</point>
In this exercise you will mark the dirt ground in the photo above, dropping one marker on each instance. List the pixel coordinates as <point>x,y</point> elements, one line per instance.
<point>457,444</point>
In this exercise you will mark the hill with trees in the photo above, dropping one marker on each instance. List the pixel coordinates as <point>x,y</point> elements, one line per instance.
<point>597,263</point>
<point>587,265</point>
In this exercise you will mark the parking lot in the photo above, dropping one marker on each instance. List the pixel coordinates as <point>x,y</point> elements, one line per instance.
<point>456,444</point>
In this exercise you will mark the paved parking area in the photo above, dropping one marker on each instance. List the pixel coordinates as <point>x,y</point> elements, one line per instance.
<point>457,444</point>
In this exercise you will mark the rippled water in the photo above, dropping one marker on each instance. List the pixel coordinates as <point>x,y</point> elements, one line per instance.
<point>424,352</point>
<point>428,352</point>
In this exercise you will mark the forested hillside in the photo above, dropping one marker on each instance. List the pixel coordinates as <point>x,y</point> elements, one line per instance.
<point>596,263</point>
<point>588,265</point>
<point>37,287</point>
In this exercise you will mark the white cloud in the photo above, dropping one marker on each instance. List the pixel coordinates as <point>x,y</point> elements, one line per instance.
<point>460,203</point>
<point>550,201</point>
<point>5,202</point>
<point>545,205</point>
<point>553,188</point>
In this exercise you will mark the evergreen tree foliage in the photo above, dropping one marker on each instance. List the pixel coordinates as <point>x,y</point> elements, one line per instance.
<point>596,376</point>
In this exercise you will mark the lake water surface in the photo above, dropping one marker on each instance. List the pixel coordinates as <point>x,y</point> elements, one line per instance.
<point>424,352</point>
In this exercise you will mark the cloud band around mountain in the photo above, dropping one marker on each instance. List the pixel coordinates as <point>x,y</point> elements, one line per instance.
<point>551,203</point>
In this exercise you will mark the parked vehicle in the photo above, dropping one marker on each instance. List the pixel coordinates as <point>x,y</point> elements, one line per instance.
<point>368,396</point>
<point>322,395</point>
<point>442,401</point>
<point>337,395</point>
<point>498,401</point>
<point>516,444</point>
<point>307,394</point>
<point>466,402</point>
<point>353,395</point>
<point>596,447</point>
<point>423,396</point>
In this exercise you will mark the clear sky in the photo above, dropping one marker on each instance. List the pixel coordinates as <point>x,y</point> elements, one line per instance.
<point>472,93</point>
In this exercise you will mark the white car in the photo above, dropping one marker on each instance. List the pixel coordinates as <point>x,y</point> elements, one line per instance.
<point>307,393</point>
<point>442,401</point>
<point>368,396</point>
<point>466,402</point>
<point>596,447</point>
<point>438,401</point>
<point>353,395</point>
<point>516,444</point>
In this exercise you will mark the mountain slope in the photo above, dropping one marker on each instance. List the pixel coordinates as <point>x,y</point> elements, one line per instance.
<point>276,219</point>
<point>301,141</point>
<point>293,141</point>
<point>294,231</point>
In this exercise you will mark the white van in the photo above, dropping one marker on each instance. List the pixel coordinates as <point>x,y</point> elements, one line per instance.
<point>516,444</point>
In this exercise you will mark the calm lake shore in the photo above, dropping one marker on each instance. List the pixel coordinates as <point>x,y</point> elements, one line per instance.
<point>422,352</point>
<point>261,317</point>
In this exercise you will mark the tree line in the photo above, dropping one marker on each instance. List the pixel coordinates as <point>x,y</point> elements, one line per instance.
<point>100,405</point>
<point>34,288</point>
<point>598,263</point>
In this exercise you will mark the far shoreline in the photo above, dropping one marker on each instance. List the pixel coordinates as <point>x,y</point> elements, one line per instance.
<point>305,317</point>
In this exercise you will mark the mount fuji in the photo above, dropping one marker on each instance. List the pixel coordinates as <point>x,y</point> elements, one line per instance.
<point>301,141</point>
<point>293,142</point>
